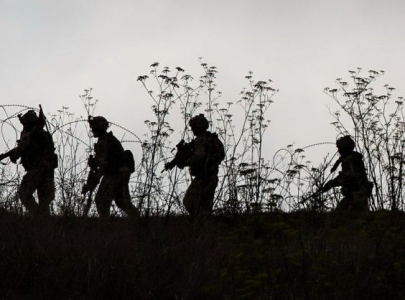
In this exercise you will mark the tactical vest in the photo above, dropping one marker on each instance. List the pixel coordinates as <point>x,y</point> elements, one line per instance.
<point>214,155</point>
<point>353,173</point>
<point>40,151</point>
<point>115,153</point>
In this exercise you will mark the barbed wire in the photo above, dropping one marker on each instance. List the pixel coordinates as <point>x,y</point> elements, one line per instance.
<point>56,127</point>
<point>5,121</point>
<point>127,130</point>
<point>319,144</point>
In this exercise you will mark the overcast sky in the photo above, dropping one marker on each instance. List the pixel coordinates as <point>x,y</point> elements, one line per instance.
<point>51,51</point>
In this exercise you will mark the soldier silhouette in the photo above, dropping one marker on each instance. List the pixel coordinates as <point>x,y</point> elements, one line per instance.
<point>37,152</point>
<point>203,156</point>
<point>355,187</point>
<point>112,165</point>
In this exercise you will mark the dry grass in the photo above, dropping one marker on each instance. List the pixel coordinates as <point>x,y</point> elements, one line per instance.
<point>273,256</point>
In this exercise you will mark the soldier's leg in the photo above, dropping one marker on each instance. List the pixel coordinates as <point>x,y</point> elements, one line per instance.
<point>360,200</point>
<point>192,198</point>
<point>208,188</point>
<point>104,197</point>
<point>122,196</point>
<point>345,204</point>
<point>46,192</point>
<point>27,188</point>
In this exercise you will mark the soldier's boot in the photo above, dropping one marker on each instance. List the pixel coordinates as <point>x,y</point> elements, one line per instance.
<point>131,211</point>
<point>104,198</point>
<point>133,215</point>
<point>122,196</point>
<point>360,200</point>
<point>103,210</point>
<point>29,202</point>
<point>26,191</point>
<point>43,209</point>
<point>192,197</point>
<point>345,204</point>
<point>46,194</point>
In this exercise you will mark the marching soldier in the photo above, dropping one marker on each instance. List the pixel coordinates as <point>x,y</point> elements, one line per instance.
<point>203,156</point>
<point>355,187</point>
<point>37,152</point>
<point>113,166</point>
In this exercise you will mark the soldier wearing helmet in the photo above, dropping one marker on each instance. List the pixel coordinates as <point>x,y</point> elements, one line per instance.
<point>345,143</point>
<point>36,150</point>
<point>110,166</point>
<point>98,125</point>
<point>203,156</point>
<point>199,124</point>
<point>355,187</point>
<point>29,119</point>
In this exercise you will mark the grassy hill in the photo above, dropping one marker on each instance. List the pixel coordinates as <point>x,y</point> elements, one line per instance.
<point>302,255</point>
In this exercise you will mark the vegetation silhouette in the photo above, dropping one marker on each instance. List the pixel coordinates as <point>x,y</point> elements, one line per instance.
<point>271,234</point>
<point>374,117</point>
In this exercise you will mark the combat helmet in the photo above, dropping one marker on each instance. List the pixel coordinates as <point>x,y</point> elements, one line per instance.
<point>199,122</point>
<point>30,117</point>
<point>98,123</point>
<point>345,142</point>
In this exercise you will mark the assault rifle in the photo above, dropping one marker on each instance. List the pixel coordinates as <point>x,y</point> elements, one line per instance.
<point>42,119</point>
<point>313,195</point>
<point>90,185</point>
<point>326,187</point>
<point>41,123</point>
<point>7,154</point>
<point>184,151</point>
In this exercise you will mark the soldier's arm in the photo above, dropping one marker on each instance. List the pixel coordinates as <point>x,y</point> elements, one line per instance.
<point>92,181</point>
<point>170,165</point>
<point>95,173</point>
<point>179,158</point>
<point>101,157</point>
<point>22,145</point>
<point>7,154</point>
<point>350,172</point>
<point>330,184</point>
<point>198,156</point>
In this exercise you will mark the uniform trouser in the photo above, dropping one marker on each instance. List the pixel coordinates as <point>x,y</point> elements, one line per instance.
<point>199,198</point>
<point>355,200</point>
<point>42,181</point>
<point>115,187</point>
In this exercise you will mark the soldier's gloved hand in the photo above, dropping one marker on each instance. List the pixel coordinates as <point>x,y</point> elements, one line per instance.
<point>327,186</point>
<point>91,162</point>
<point>169,165</point>
<point>13,159</point>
